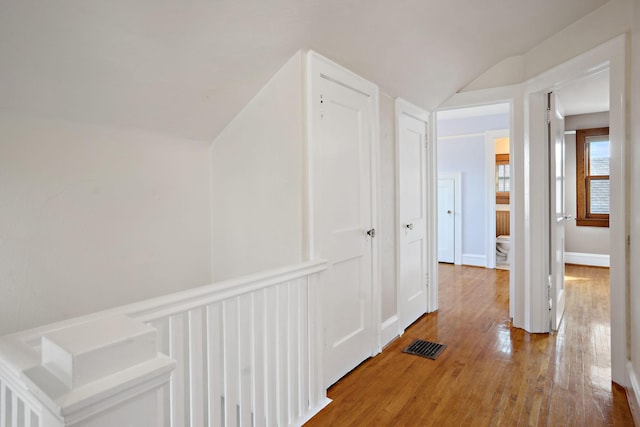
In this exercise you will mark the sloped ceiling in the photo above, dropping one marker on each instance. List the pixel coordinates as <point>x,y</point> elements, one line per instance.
<point>187,67</point>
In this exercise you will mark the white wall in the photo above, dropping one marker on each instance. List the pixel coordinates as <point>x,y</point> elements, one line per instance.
<point>461,148</point>
<point>93,217</point>
<point>634,296</point>
<point>586,240</point>
<point>599,26</point>
<point>257,180</point>
<point>388,207</point>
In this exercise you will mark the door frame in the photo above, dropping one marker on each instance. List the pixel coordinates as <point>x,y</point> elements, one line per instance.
<point>522,96</point>
<point>490,165</point>
<point>556,294</point>
<point>405,107</point>
<point>318,66</point>
<point>611,55</point>
<point>457,213</point>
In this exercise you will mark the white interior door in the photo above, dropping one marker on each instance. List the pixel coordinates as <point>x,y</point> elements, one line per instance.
<point>446,223</point>
<point>412,208</point>
<point>556,212</point>
<point>342,216</point>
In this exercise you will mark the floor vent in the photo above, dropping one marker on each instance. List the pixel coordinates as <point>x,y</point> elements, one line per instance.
<point>428,349</point>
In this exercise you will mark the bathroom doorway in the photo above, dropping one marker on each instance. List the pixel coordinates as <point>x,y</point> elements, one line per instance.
<point>497,146</point>
<point>474,144</point>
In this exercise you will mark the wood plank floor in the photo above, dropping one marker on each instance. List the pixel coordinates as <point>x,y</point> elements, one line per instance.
<point>490,374</point>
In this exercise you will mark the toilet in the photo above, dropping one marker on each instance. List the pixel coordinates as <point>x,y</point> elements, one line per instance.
<point>503,246</point>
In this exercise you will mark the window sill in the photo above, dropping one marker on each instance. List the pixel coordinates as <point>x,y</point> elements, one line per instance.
<point>592,222</point>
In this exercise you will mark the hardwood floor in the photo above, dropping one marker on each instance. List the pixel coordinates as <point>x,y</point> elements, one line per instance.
<point>490,373</point>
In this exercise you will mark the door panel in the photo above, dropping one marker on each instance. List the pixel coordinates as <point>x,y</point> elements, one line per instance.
<point>412,284</point>
<point>342,215</point>
<point>556,212</point>
<point>446,223</point>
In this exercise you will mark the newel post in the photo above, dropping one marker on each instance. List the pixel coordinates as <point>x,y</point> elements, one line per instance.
<point>104,372</point>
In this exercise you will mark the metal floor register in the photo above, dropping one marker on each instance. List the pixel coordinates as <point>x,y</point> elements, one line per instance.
<point>428,349</point>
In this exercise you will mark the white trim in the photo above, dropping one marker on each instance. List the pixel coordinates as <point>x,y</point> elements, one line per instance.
<point>512,94</point>
<point>596,260</point>
<point>633,393</point>
<point>432,213</point>
<point>405,107</point>
<point>612,55</point>
<point>457,213</point>
<point>459,136</point>
<point>490,180</point>
<point>619,226</point>
<point>376,298</point>
<point>390,329</point>
<point>536,235</point>
<point>475,260</point>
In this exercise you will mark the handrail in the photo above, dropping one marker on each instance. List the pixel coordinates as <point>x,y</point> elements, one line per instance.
<point>21,352</point>
<point>151,308</point>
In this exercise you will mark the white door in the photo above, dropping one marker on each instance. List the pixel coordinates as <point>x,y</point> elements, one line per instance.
<point>412,218</point>
<point>446,223</point>
<point>556,212</point>
<point>342,216</point>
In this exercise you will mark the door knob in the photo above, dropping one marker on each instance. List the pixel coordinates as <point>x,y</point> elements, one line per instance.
<point>409,226</point>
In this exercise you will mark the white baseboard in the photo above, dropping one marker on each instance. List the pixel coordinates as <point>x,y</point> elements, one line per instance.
<point>633,393</point>
<point>596,260</point>
<point>390,330</point>
<point>302,421</point>
<point>475,260</point>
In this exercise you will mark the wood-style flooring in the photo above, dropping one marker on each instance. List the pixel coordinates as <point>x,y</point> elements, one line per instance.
<point>490,374</point>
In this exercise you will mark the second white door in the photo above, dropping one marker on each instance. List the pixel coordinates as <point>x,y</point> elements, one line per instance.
<point>412,212</point>
<point>446,224</point>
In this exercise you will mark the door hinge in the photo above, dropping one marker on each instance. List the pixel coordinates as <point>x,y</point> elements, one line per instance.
<point>549,299</point>
<point>372,232</point>
<point>427,279</point>
<point>426,141</point>
<point>548,115</point>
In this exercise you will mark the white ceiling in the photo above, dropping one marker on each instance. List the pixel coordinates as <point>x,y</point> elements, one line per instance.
<point>483,110</point>
<point>187,67</point>
<point>587,95</point>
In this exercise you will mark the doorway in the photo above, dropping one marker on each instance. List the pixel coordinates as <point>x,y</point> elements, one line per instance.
<point>466,139</point>
<point>611,56</point>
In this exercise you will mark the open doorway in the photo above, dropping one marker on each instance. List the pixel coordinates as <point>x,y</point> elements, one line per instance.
<point>586,107</point>
<point>473,148</point>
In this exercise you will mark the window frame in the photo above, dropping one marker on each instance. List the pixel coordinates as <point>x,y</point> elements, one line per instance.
<point>583,216</point>
<point>502,197</point>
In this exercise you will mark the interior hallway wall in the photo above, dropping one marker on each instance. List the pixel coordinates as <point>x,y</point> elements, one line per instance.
<point>603,24</point>
<point>93,217</point>
<point>257,181</point>
<point>388,207</point>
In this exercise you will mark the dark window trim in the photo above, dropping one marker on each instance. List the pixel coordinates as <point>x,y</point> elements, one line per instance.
<point>502,197</point>
<point>584,217</point>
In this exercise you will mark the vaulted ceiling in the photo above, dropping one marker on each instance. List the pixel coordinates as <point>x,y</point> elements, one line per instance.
<point>187,67</point>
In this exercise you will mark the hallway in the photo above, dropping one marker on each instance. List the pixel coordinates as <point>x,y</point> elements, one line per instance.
<point>490,373</point>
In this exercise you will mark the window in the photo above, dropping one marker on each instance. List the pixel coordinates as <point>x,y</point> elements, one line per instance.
<point>592,177</point>
<point>502,179</point>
